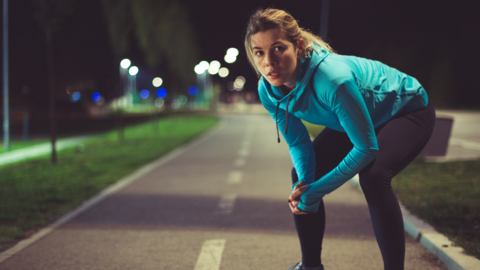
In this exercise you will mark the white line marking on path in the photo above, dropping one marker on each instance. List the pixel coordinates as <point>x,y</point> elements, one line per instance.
<point>211,255</point>
<point>244,152</point>
<point>239,162</point>
<point>226,204</point>
<point>234,177</point>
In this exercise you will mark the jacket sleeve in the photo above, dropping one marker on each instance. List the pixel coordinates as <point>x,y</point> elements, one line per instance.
<point>348,105</point>
<point>297,139</point>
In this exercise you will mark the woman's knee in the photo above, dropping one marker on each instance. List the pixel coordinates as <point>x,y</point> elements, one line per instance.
<point>375,178</point>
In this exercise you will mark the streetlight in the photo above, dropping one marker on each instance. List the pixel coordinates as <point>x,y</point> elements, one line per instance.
<point>132,81</point>
<point>125,63</point>
<point>157,82</point>
<point>231,55</point>
<point>214,67</point>
<point>223,72</point>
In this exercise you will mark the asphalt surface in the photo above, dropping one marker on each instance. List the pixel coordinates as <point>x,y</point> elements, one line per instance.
<point>231,188</point>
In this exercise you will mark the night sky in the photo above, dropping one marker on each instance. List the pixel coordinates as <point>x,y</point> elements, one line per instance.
<point>435,41</point>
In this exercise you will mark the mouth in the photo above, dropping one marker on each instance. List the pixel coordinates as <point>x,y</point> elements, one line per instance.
<point>273,74</point>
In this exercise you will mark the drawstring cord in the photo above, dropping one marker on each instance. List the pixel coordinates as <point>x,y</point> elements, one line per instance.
<point>286,117</point>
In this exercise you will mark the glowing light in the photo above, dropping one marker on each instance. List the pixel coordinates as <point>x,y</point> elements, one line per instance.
<point>159,102</point>
<point>96,97</point>
<point>223,72</point>
<point>214,66</point>
<point>157,82</point>
<point>133,70</point>
<point>161,93</point>
<point>199,69</point>
<point>182,99</point>
<point>144,93</point>
<point>204,65</point>
<point>232,51</point>
<point>239,83</point>
<point>175,104</point>
<point>212,71</point>
<point>193,90</point>
<point>125,63</point>
<point>230,58</point>
<point>76,96</point>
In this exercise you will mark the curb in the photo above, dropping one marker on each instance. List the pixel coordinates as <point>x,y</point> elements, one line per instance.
<point>452,256</point>
<point>107,192</point>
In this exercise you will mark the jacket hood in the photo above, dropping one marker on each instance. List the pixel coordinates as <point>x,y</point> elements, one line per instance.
<point>305,71</point>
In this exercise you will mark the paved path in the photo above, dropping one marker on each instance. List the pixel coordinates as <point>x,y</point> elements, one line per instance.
<point>40,149</point>
<point>221,204</point>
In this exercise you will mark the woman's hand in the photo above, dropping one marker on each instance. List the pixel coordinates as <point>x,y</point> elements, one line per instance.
<point>294,198</point>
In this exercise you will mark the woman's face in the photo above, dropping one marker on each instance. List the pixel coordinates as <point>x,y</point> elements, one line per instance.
<point>276,58</point>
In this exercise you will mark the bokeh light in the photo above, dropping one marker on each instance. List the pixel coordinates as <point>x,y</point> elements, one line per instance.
<point>199,69</point>
<point>182,99</point>
<point>161,92</point>
<point>214,66</point>
<point>239,83</point>
<point>232,51</point>
<point>157,82</point>
<point>204,65</point>
<point>159,102</point>
<point>144,93</point>
<point>133,70</point>
<point>125,63</point>
<point>193,90</point>
<point>229,58</point>
<point>76,96</point>
<point>96,96</point>
<point>223,72</point>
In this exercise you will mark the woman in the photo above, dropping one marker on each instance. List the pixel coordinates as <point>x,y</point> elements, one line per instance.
<point>377,120</point>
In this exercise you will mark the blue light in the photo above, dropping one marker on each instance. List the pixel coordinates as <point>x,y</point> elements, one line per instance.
<point>144,93</point>
<point>161,92</point>
<point>76,96</point>
<point>96,96</point>
<point>193,90</point>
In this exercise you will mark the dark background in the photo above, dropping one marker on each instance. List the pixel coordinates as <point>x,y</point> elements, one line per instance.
<point>435,41</point>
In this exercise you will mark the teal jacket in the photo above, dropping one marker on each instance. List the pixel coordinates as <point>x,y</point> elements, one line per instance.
<point>347,94</point>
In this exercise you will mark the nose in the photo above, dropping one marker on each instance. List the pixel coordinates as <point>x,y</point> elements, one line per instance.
<point>270,59</point>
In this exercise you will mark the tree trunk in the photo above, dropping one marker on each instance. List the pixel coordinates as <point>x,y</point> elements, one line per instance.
<point>53,127</point>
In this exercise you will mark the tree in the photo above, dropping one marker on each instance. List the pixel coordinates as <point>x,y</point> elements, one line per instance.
<point>49,15</point>
<point>166,37</point>
<point>119,20</point>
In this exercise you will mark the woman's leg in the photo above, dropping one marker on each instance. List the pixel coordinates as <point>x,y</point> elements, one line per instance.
<point>400,140</point>
<point>330,148</point>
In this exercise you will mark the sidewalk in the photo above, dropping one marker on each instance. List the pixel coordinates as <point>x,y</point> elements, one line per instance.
<point>40,149</point>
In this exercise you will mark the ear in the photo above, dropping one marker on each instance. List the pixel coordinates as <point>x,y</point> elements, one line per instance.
<point>301,47</point>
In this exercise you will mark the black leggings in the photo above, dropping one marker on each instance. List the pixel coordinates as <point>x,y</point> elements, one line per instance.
<point>400,140</point>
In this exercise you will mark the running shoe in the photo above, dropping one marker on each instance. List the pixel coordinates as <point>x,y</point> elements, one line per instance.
<point>299,266</point>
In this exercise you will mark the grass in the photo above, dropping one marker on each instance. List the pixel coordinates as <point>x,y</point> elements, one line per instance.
<point>447,196</point>
<point>35,192</point>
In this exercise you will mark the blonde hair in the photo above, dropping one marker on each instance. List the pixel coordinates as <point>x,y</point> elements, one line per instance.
<point>266,19</point>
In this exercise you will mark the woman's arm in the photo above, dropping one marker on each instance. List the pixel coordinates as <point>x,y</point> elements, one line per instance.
<point>297,139</point>
<point>347,103</point>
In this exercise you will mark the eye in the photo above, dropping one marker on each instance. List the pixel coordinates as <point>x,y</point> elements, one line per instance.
<point>278,49</point>
<point>258,53</point>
